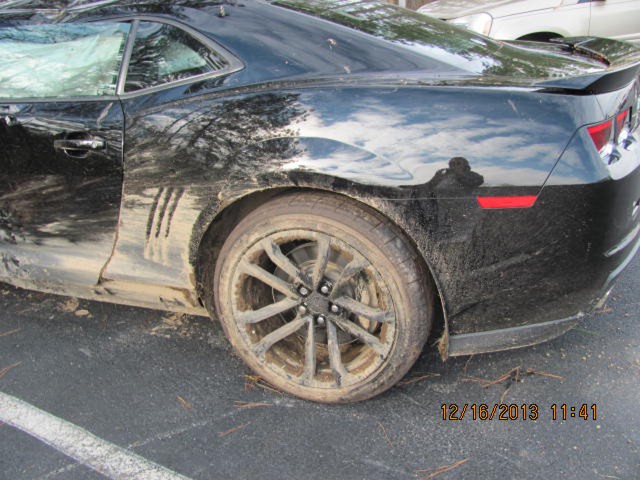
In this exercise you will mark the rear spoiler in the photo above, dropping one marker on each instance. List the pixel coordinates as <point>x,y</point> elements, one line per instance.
<point>622,60</point>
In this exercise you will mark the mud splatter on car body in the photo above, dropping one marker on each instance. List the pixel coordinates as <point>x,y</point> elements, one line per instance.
<point>417,131</point>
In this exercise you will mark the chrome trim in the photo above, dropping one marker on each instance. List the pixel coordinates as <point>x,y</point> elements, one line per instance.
<point>85,98</point>
<point>126,57</point>
<point>177,83</point>
<point>624,243</point>
<point>630,143</point>
<point>93,143</point>
<point>234,63</point>
<point>612,276</point>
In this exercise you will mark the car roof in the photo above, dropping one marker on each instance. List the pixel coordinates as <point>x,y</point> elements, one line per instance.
<point>302,39</point>
<point>290,43</point>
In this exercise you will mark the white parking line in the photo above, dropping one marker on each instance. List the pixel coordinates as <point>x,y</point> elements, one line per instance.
<point>105,458</point>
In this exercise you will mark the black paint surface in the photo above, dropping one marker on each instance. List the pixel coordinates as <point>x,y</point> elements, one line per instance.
<point>417,126</point>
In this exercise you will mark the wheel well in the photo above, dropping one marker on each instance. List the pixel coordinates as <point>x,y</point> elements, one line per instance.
<point>226,220</point>
<point>221,227</point>
<point>540,37</point>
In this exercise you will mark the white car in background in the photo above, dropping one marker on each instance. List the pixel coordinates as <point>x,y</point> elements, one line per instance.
<point>541,20</point>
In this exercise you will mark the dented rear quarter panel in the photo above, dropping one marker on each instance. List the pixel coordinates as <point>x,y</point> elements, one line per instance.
<point>316,107</point>
<point>418,154</point>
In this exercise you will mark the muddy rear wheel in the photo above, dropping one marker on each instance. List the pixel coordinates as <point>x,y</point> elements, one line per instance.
<point>322,297</point>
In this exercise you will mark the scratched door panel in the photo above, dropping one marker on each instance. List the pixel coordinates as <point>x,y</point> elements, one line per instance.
<point>59,206</point>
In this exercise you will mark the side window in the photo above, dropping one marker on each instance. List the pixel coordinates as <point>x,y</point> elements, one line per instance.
<point>163,53</point>
<point>62,60</point>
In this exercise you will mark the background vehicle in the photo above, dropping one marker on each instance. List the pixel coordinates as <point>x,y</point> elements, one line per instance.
<point>542,20</point>
<point>329,190</point>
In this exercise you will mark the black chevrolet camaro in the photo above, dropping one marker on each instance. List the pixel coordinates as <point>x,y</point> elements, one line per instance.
<point>332,179</point>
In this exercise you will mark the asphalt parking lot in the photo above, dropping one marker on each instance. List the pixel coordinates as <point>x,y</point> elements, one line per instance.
<point>169,389</point>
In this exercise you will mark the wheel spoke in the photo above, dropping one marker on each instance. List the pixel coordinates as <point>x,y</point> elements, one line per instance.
<point>324,250</point>
<point>352,268</point>
<point>360,333</point>
<point>268,278</point>
<point>335,357</point>
<point>366,311</point>
<point>278,334</point>
<point>281,260</point>
<point>311,309</point>
<point>255,316</point>
<point>310,353</point>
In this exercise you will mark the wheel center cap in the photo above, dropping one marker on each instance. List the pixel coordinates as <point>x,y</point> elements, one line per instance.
<point>317,303</point>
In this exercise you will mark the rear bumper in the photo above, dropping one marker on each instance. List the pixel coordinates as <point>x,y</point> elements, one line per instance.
<point>581,234</point>
<point>527,335</point>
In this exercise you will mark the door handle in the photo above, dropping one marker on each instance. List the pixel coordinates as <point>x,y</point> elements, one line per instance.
<point>75,145</point>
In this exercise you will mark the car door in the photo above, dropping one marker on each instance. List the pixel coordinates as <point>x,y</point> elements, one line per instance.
<point>619,19</point>
<point>61,134</point>
<point>172,125</point>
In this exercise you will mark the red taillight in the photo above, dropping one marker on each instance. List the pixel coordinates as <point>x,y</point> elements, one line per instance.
<point>519,201</point>
<point>622,126</point>
<point>621,121</point>
<point>601,135</point>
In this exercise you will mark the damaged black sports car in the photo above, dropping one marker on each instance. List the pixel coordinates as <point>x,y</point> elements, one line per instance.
<point>333,180</point>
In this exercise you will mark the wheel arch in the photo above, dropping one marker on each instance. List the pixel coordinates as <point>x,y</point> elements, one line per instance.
<point>215,225</point>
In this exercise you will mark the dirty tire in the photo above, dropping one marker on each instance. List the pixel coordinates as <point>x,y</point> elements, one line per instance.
<point>322,297</point>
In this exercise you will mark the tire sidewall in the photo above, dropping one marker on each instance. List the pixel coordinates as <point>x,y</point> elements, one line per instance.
<point>412,326</point>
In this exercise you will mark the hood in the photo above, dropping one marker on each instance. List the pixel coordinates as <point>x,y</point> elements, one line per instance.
<point>449,9</point>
